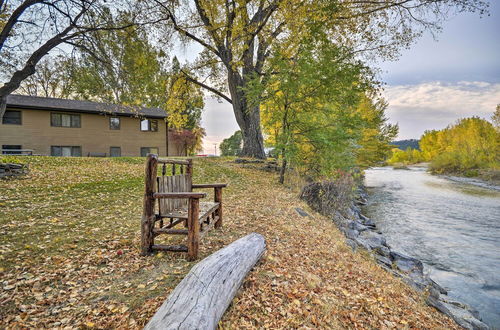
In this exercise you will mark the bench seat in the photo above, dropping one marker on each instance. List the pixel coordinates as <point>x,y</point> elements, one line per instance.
<point>206,208</point>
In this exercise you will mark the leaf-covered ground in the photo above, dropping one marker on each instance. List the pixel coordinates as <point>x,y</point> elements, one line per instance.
<point>69,255</point>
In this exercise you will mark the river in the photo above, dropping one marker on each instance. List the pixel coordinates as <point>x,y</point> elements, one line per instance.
<point>452,227</point>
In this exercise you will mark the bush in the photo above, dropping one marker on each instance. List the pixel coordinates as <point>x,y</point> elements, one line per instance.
<point>329,196</point>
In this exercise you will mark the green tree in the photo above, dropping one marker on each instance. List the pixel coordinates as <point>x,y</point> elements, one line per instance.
<point>309,107</point>
<point>238,39</point>
<point>376,135</point>
<point>469,144</point>
<point>407,156</point>
<point>120,66</point>
<point>184,100</point>
<point>232,145</point>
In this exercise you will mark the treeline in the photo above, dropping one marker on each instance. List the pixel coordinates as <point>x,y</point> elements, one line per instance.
<point>405,144</point>
<point>469,145</point>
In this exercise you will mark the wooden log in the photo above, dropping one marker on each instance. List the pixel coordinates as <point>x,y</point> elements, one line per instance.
<point>148,213</point>
<point>218,199</point>
<point>202,297</point>
<point>193,228</point>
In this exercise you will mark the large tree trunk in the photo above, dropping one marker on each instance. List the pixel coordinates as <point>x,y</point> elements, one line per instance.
<point>247,116</point>
<point>202,297</point>
<point>253,142</point>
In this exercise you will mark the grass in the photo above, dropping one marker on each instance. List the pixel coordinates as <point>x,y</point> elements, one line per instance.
<point>69,254</point>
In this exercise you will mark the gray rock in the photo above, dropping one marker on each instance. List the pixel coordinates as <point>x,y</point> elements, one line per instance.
<point>352,234</point>
<point>350,213</point>
<point>363,217</point>
<point>357,226</point>
<point>384,251</point>
<point>375,240</point>
<point>352,244</point>
<point>367,221</point>
<point>340,220</point>
<point>457,311</point>
<point>383,260</point>
<point>361,202</point>
<point>419,281</point>
<point>437,286</point>
<point>407,264</point>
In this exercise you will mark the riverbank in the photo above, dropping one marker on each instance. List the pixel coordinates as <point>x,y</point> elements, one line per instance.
<point>452,227</point>
<point>362,232</point>
<point>486,178</point>
<point>488,181</point>
<point>69,254</point>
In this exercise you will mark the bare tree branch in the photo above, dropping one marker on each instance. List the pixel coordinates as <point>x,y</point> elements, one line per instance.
<point>211,89</point>
<point>13,19</point>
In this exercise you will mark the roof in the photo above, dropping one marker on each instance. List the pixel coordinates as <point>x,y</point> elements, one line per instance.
<point>55,104</point>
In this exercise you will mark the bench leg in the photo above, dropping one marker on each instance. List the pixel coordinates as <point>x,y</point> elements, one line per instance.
<point>218,199</point>
<point>193,228</point>
<point>148,214</point>
<point>147,237</point>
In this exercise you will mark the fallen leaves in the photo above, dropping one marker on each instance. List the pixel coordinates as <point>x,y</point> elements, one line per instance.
<point>69,255</point>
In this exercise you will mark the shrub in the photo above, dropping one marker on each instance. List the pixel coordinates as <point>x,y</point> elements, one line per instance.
<point>329,196</point>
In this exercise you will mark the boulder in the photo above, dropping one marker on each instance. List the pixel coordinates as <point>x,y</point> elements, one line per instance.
<point>351,243</point>
<point>406,263</point>
<point>373,239</point>
<point>356,225</point>
<point>383,260</point>
<point>459,312</point>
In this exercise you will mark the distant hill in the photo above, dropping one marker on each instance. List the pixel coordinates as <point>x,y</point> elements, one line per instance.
<point>405,144</point>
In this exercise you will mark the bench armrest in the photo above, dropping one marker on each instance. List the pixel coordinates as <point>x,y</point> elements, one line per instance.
<point>209,185</point>
<point>180,195</point>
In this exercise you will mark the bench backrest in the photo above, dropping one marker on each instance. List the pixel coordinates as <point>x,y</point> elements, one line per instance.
<point>178,177</point>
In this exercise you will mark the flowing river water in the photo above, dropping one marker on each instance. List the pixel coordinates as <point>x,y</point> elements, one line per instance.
<point>452,227</point>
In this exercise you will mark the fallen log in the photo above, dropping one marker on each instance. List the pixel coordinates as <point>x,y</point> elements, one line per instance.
<point>202,297</point>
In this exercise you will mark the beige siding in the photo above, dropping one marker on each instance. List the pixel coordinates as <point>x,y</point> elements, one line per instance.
<point>93,136</point>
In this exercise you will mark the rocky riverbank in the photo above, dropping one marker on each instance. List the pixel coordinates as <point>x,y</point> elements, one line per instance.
<point>361,232</point>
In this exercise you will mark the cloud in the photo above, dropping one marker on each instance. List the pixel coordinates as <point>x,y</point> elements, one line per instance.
<point>434,105</point>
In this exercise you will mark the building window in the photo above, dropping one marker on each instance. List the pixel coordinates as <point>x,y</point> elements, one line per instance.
<point>148,150</point>
<point>115,152</point>
<point>66,151</point>
<point>64,120</point>
<point>12,117</point>
<point>114,123</point>
<point>149,125</point>
<point>11,149</point>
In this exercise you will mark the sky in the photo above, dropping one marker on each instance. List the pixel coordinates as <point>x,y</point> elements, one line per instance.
<point>433,83</point>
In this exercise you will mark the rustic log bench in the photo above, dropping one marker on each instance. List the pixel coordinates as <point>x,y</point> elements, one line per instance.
<point>177,203</point>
